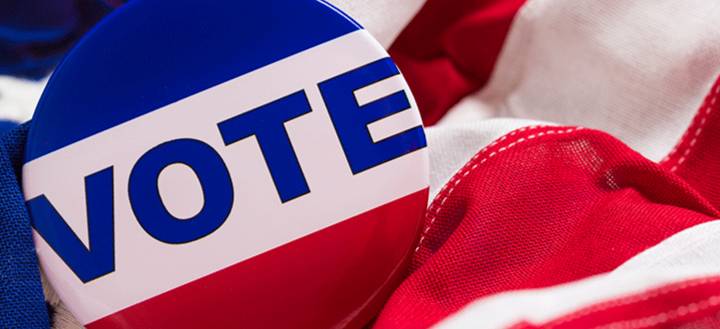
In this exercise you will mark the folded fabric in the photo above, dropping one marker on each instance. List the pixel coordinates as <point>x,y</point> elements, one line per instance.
<point>6,125</point>
<point>21,297</point>
<point>34,34</point>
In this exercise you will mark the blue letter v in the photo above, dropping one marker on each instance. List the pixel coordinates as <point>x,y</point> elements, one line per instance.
<point>87,263</point>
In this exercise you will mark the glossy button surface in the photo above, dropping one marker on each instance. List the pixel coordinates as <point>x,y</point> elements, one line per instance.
<point>226,164</point>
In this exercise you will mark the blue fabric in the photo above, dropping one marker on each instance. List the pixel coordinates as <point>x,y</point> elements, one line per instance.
<point>22,303</point>
<point>34,34</point>
<point>6,126</point>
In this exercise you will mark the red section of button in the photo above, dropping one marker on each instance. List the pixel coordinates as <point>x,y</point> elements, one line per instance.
<point>337,277</point>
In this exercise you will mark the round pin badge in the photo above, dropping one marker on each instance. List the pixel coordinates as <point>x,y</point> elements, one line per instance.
<point>224,164</point>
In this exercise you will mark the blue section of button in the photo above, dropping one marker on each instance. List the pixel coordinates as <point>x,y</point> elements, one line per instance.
<point>149,54</point>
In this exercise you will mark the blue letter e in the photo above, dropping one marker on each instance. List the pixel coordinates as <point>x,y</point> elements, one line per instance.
<point>351,120</point>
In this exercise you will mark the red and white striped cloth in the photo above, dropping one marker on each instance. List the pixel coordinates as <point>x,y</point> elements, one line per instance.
<point>575,162</point>
<point>553,225</point>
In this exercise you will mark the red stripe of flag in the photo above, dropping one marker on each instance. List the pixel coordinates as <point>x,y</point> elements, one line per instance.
<point>450,48</point>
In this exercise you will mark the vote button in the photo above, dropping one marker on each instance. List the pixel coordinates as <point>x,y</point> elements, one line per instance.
<point>226,164</point>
